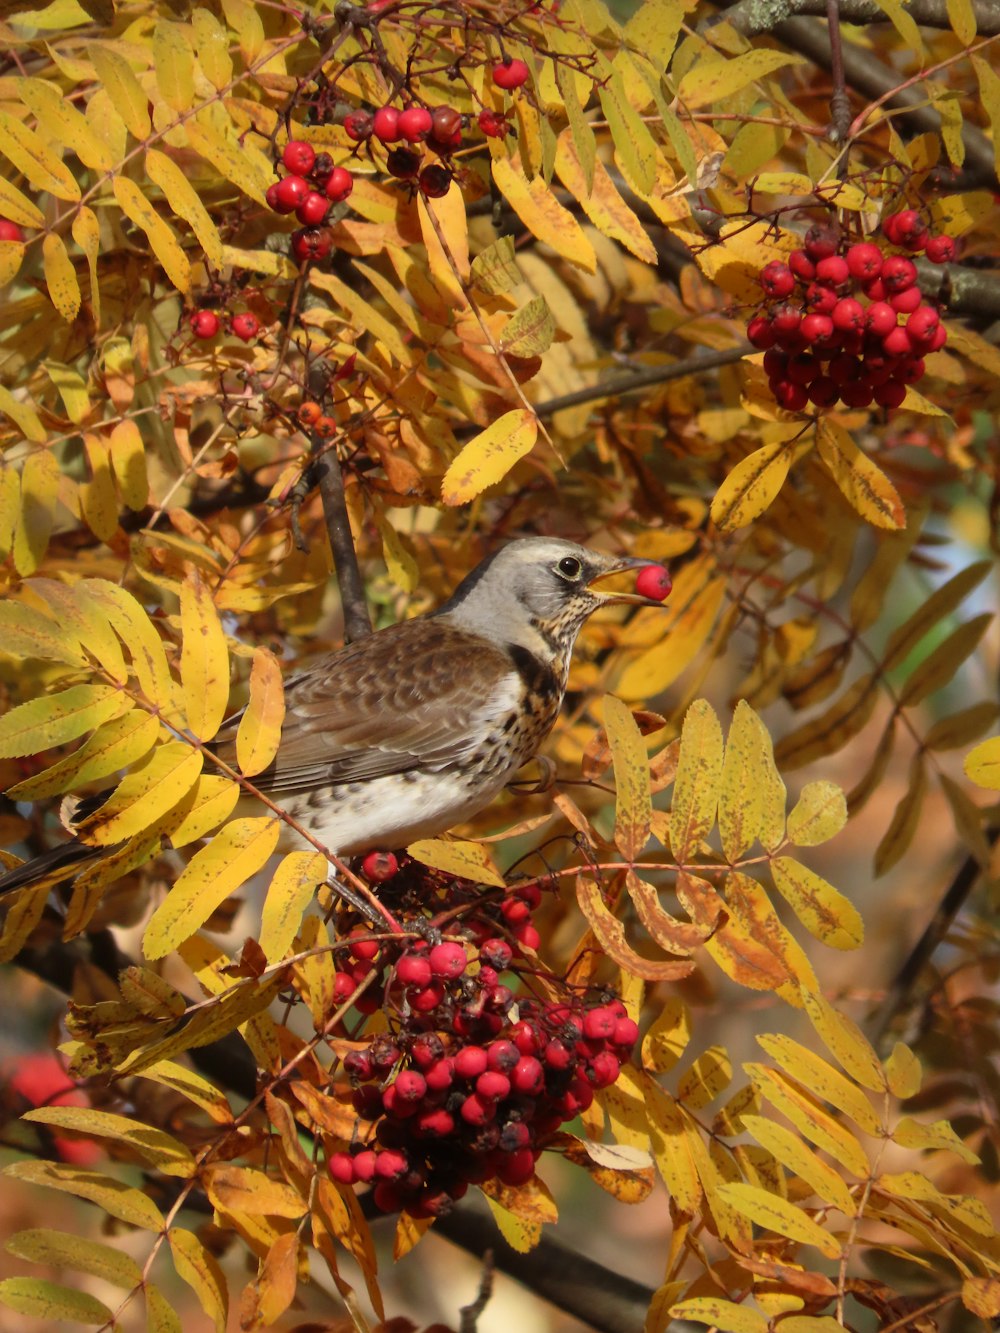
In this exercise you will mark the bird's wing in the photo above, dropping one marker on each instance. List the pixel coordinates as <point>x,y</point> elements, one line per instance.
<point>419,695</point>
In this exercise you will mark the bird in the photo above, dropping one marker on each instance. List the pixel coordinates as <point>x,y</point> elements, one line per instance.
<point>405,732</point>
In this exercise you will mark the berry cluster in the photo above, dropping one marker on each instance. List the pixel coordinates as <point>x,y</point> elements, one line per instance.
<point>309,189</point>
<point>468,1084</point>
<point>438,128</point>
<point>205,325</point>
<point>822,345</point>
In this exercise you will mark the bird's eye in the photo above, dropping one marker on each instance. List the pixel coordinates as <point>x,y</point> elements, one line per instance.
<point>569,567</point>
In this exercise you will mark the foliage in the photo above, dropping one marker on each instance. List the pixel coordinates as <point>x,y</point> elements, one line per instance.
<point>555,344</point>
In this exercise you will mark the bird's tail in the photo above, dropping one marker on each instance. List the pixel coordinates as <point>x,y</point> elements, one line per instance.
<point>52,867</point>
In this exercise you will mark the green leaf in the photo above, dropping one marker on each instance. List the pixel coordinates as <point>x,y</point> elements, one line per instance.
<point>60,1249</point>
<point>942,601</point>
<point>939,667</point>
<point>41,1299</point>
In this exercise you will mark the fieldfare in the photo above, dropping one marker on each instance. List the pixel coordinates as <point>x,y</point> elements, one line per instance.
<point>414,728</point>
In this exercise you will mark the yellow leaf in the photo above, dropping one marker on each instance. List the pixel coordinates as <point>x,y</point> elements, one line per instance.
<point>39,488</point>
<point>530,330</point>
<point>845,1040</point>
<point>600,199</point>
<point>61,1250</point>
<point>55,719</point>
<point>543,215</point>
<point>38,1298</point>
<point>723,1315</point>
<point>713,79</point>
<point>494,270</point>
<point>123,1201</point>
<point>866,488</point>
<point>824,912</point>
<point>63,124</point>
<point>292,888</point>
<point>809,1118</point>
<point>174,62</point>
<point>199,1268</point>
<point>135,629</point>
<point>213,48</point>
<point>635,147</point>
<point>777,1214</point>
<point>981,1295</point>
<point>696,786</point>
<point>165,245</point>
<point>962,1209</point>
<point>709,1075</point>
<point>904,24</point>
<point>489,456</point>
<point>670,1134</point>
<point>98,498</point>
<point>584,141</point>
<point>128,458</point>
<point>161,1317</point>
<point>610,934</point>
<point>467,860</point>
<point>123,88</point>
<point>742,794</point>
<point>752,908</point>
<point>821,1079</point>
<point>22,917</point>
<point>752,485</point>
<point>259,731</point>
<point>18,207</point>
<point>634,803</point>
<point>182,197</point>
<point>87,234</point>
<point>26,633</point>
<point>982,764</point>
<point>213,873</point>
<point>245,1190</point>
<point>193,1087</point>
<point>819,814</point>
<point>668,1037</point>
<point>155,1145</point>
<point>31,155</point>
<point>989,92</point>
<point>364,315</point>
<point>148,792</point>
<point>72,388</point>
<point>60,277</point>
<point>936,1137</point>
<point>279,1276</point>
<point>903,1072</point>
<point>789,1149</point>
<point>11,259</point>
<point>204,659</point>
<point>745,958</point>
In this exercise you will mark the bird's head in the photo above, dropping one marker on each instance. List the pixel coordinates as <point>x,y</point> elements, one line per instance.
<point>539,585</point>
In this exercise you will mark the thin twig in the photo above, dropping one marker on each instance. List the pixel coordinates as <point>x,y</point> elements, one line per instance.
<point>642,379</point>
<point>357,622</point>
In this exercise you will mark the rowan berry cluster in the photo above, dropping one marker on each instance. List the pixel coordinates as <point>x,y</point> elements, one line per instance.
<point>311,186</point>
<point>824,345</point>
<point>206,324</point>
<point>470,1082</point>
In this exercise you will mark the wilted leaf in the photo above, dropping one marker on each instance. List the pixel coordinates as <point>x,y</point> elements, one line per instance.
<point>530,331</point>
<point>123,88</point>
<point>610,934</point>
<point>827,734</point>
<point>905,818</point>
<point>846,1041</point>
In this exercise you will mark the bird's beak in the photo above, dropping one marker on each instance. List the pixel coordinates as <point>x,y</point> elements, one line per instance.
<point>621,565</point>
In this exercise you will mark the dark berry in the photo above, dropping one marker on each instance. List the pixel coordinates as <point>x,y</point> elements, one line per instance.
<point>403,163</point>
<point>435,181</point>
<point>311,243</point>
<point>358,126</point>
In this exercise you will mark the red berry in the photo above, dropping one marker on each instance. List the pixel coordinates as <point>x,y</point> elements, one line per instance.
<point>311,243</point>
<point>599,1023</point>
<point>447,960</point>
<point>476,1110</point>
<point>435,181</point>
<point>923,324</point>
<point>604,1068</point>
<point>313,209</point>
<point>364,1165</point>
<point>890,227</point>
<point>377,867</point>
<point>908,226</point>
<point>517,1168</point>
<point>403,163</point>
<point>823,391</point>
<point>434,1124</point>
<point>822,241</point>
<point>848,315</point>
<point>802,266</point>
<point>441,1075</point>
<point>558,1055</point>
<point>898,273</point>
<point>820,300</point>
<point>897,343</point>
<point>864,261</point>
<point>890,394</point>
<point>626,1033</point>
<point>299,157</point>
<point>909,372</point>
<point>858,394</point>
<point>940,249</point>
<point>358,126</point>
<point>653,582</point>
<point>817,328</point>
<point>273,197</point>
<point>832,271</point>
<point>802,369</point>
<point>786,319</point>
<point>414,124</point>
<point>528,1076</point>
<point>495,953</point>
<point>205,323</point>
<point>471,1061</point>
<point>290,192</point>
<point>410,1086</point>
<point>905,302</point>
<point>938,341</point>
<point>385,124</point>
<point>880,318</point>
<point>760,332</point>
<point>10,231</point>
<point>339,185</point>
<point>445,121</point>
<point>793,397</point>
<point>341,1168</point>
<point>875,289</point>
<point>526,934</point>
<point>424,1000</point>
<point>245,327</point>
<point>777,279</point>
<point>492,124</point>
<point>390,1164</point>
<point>493,1086</point>
<point>844,369</point>
<point>413,969</point>
<point>510,73</point>
<point>387,1196</point>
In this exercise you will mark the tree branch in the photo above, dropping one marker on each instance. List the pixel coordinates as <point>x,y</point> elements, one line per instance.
<point>642,379</point>
<point>751,17</point>
<point>357,622</point>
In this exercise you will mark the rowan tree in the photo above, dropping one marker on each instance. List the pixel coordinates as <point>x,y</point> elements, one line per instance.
<point>303,312</point>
